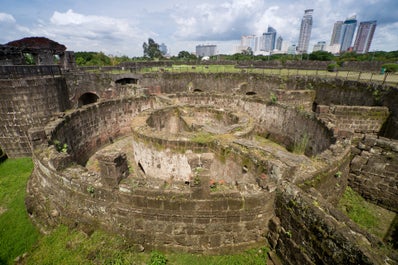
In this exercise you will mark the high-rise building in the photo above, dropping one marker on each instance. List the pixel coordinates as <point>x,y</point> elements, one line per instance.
<point>269,39</point>
<point>279,42</point>
<point>246,42</point>
<point>364,36</point>
<point>336,33</point>
<point>206,50</point>
<point>320,46</point>
<point>305,31</point>
<point>347,33</point>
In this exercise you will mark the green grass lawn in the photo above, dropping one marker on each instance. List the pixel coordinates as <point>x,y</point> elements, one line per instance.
<point>17,234</point>
<point>64,246</point>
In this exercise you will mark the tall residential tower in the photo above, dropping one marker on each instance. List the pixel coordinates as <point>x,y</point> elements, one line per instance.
<point>336,33</point>
<point>269,39</point>
<point>364,36</point>
<point>347,33</point>
<point>305,31</point>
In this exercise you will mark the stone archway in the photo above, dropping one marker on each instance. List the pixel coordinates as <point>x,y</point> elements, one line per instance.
<point>87,98</point>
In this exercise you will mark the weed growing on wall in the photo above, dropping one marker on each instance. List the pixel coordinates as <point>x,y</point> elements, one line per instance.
<point>300,144</point>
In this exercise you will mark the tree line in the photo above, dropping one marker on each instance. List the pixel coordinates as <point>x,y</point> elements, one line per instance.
<point>151,51</point>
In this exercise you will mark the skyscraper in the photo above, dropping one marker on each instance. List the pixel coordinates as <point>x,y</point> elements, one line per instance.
<point>279,42</point>
<point>269,39</point>
<point>364,36</point>
<point>336,33</point>
<point>305,31</point>
<point>206,50</point>
<point>248,41</point>
<point>347,33</point>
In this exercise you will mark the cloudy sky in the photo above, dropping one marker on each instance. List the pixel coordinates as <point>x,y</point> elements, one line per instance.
<point>119,27</point>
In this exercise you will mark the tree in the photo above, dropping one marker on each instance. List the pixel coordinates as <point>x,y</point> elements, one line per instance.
<point>184,55</point>
<point>151,49</point>
<point>321,56</point>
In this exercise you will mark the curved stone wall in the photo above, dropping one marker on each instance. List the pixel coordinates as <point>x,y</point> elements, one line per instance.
<point>197,218</point>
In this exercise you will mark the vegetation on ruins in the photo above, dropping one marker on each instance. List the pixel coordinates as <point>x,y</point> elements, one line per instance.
<point>368,216</point>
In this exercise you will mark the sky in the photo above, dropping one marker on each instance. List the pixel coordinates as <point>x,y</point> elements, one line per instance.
<point>118,27</point>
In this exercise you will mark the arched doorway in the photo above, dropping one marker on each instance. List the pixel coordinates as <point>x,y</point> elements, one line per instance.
<point>87,98</point>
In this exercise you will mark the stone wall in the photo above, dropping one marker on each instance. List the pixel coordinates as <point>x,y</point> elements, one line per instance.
<point>356,119</point>
<point>327,91</point>
<point>104,85</point>
<point>27,103</point>
<point>23,71</point>
<point>308,230</point>
<point>374,171</point>
<point>94,125</point>
<point>148,218</point>
<point>284,125</point>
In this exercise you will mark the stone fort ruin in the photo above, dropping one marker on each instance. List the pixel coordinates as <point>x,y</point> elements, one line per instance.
<point>204,162</point>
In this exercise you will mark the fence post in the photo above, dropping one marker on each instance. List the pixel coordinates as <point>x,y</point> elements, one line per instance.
<point>385,77</point>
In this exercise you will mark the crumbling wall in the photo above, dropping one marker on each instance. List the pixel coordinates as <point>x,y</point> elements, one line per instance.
<point>308,230</point>
<point>374,171</point>
<point>355,119</point>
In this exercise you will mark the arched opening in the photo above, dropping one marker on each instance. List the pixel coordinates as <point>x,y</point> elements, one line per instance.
<point>250,93</point>
<point>125,81</point>
<point>87,98</point>
<point>197,90</point>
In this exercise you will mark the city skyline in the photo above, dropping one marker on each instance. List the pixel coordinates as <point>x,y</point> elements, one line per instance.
<point>121,28</point>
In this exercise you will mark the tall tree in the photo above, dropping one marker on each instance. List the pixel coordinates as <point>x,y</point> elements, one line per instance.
<point>151,49</point>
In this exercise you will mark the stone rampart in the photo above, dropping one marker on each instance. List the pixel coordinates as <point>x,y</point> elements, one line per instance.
<point>148,218</point>
<point>308,230</point>
<point>193,220</point>
<point>89,128</point>
<point>26,103</point>
<point>103,84</point>
<point>356,119</point>
<point>374,171</point>
<point>23,71</point>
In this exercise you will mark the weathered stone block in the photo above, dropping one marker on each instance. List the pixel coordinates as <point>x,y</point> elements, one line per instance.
<point>113,167</point>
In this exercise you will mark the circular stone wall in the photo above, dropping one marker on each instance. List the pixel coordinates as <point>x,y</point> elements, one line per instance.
<point>199,176</point>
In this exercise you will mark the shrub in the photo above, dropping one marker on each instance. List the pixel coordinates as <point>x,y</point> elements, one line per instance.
<point>332,67</point>
<point>390,67</point>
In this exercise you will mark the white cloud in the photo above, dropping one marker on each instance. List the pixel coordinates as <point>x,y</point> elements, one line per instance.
<point>92,33</point>
<point>6,18</point>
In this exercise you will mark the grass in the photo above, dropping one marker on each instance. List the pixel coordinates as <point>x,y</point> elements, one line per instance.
<point>371,217</point>
<point>17,234</point>
<point>66,246</point>
<point>349,75</point>
<point>255,256</point>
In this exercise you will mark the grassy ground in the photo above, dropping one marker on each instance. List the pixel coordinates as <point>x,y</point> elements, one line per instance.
<point>17,234</point>
<point>348,75</point>
<point>369,216</point>
<point>64,246</point>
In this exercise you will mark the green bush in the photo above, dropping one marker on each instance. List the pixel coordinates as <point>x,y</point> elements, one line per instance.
<point>390,67</point>
<point>332,67</point>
